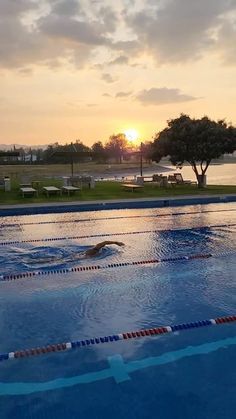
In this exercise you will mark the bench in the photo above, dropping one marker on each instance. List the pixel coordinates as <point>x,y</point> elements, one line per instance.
<point>131,186</point>
<point>70,189</point>
<point>28,191</point>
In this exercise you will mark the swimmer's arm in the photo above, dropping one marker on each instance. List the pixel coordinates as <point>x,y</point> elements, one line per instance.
<point>102,244</point>
<point>99,246</point>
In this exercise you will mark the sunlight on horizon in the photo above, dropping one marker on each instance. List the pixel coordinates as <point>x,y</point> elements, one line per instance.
<point>132,135</point>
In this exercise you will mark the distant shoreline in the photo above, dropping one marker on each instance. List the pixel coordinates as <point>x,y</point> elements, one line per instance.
<point>28,172</point>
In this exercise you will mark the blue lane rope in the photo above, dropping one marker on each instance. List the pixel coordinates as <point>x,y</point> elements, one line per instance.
<point>51,239</point>
<point>156,331</point>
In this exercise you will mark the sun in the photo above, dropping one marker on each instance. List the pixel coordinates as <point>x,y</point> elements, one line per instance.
<point>131,135</point>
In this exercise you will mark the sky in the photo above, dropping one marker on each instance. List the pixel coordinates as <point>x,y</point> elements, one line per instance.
<point>80,69</point>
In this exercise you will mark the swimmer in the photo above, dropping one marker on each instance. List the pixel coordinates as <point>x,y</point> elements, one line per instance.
<point>95,249</point>
<point>34,258</point>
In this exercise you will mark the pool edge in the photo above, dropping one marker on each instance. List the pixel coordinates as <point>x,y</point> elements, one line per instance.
<point>21,209</point>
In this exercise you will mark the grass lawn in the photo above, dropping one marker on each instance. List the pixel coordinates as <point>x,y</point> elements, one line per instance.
<point>111,190</point>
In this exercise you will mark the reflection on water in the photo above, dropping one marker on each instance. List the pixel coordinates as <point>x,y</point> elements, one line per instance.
<point>148,245</point>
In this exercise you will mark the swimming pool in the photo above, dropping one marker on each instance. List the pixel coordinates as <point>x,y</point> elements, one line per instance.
<point>50,295</point>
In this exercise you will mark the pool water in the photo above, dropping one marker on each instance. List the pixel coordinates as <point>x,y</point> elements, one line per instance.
<point>187,374</point>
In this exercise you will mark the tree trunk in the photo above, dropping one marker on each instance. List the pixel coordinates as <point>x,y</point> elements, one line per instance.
<point>201,179</point>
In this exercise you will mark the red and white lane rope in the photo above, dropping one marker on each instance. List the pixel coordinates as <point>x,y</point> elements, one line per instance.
<point>44,273</point>
<point>156,331</point>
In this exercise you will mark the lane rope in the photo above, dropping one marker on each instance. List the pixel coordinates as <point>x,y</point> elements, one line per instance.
<point>45,273</point>
<point>156,331</point>
<point>52,239</point>
<point>118,218</point>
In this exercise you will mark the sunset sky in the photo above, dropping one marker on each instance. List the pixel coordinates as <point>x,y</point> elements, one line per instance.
<point>80,69</point>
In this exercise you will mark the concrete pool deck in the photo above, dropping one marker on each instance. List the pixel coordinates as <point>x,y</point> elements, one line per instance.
<point>80,206</point>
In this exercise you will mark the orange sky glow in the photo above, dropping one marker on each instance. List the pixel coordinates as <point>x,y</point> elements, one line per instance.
<point>86,70</point>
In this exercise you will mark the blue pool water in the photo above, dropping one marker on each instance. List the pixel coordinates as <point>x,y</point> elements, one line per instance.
<point>187,374</point>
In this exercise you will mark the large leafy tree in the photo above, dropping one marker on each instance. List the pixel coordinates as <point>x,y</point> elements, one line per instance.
<point>196,141</point>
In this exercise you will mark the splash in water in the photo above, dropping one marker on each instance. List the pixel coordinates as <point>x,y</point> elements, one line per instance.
<point>48,257</point>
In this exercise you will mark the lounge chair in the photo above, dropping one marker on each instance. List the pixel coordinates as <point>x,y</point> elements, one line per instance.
<point>172,180</point>
<point>157,180</point>
<point>80,181</point>
<point>70,189</point>
<point>25,182</point>
<point>28,191</point>
<point>160,180</point>
<point>51,190</point>
<point>180,181</point>
<point>131,186</point>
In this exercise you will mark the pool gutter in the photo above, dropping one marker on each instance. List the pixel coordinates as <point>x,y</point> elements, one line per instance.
<point>54,207</point>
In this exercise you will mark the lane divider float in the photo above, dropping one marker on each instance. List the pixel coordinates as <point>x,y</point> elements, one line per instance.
<point>175,214</point>
<point>156,331</point>
<point>44,273</point>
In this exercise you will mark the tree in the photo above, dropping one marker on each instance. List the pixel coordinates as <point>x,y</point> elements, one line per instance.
<point>99,152</point>
<point>147,151</point>
<point>116,146</point>
<point>79,147</point>
<point>48,152</point>
<point>196,141</point>
<point>39,155</point>
<point>56,153</point>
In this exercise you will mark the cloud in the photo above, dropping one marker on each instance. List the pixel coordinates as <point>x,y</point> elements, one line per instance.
<point>123,94</point>
<point>122,59</point>
<point>25,71</point>
<point>106,95</point>
<point>60,32</point>
<point>108,78</point>
<point>162,96</point>
<point>70,28</point>
<point>132,47</point>
<point>179,30</point>
<point>51,32</point>
<point>10,8</point>
<point>71,31</point>
<point>66,8</point>
<point>226,43</point>
<point>16,42</point>
<point>109,19</point>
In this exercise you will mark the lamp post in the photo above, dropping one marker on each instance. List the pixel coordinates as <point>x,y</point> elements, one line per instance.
<point>141,159</point>
<point>72,158</point>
